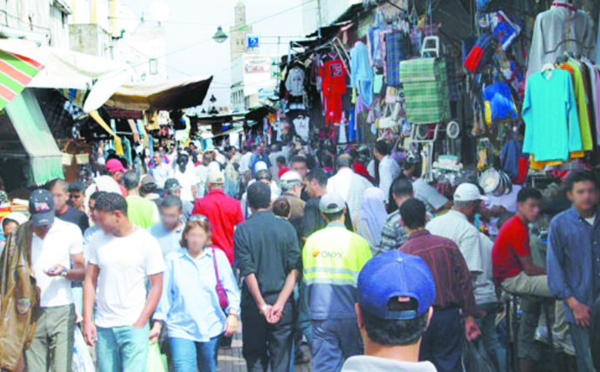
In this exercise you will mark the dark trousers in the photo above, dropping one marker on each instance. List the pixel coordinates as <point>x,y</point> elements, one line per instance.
<point>442,342</point>
<point>266,344</point>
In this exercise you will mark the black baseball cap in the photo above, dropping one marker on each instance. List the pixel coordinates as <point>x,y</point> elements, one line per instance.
<point>77,186</point>
<point>41,208</point>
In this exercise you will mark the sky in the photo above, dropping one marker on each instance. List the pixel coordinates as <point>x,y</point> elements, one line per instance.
<point>190,25</point>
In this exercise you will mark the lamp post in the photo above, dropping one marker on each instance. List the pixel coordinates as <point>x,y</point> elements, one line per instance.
<point>220,36</point>
<point>213,110</point>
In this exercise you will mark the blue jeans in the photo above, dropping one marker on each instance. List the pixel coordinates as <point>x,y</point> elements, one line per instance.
<point>121,349</point>
<point>334,341</point>
<point>581,342</point>
<point>489,335</point>
<point>190,356</point>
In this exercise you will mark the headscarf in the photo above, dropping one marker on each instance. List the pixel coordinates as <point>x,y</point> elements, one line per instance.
<point>373,211</point>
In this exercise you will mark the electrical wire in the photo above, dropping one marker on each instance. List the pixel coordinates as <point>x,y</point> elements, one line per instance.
<point>238,28</point>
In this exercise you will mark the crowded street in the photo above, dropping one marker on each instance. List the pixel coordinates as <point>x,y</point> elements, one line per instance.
<point>300,186</point>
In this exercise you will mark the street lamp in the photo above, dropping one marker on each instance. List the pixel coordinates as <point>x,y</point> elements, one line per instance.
<point>220,36</point>
<point>213,110</point>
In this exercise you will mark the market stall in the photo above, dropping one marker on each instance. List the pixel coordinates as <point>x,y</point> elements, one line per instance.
<point>464,87</point>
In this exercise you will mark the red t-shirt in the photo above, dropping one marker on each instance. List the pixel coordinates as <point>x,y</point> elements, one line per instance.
<point>223,213</point>
<point>282,171</point>
<point>334,77</point>
<point>512,242</point>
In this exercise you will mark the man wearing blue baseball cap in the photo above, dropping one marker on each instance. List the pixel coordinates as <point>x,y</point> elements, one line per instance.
<point>57,260</point>
<point>395,298</point>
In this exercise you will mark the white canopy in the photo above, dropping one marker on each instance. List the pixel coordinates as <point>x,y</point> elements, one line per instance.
<point>67,69</point>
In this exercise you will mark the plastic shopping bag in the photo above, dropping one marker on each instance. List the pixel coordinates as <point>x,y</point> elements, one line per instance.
<point>82,359</point>
<point>476,359</point>
<point>157,362</point>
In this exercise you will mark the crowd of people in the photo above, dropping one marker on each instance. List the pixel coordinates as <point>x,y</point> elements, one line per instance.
<point>367,264</point>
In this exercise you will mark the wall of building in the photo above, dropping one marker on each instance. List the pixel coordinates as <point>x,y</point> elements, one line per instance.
<point>90,39</point>
<point>49,18</point>
<point>144,49</point>
<point>252,75</point>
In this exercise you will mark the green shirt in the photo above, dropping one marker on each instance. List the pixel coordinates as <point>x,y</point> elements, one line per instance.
<point>142,212</point>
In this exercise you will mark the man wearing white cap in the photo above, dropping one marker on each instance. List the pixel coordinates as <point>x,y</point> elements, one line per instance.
<point>291,186</point>
<point>457,225</point>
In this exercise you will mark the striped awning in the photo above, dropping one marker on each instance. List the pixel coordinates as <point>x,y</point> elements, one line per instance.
<point>16,72</point>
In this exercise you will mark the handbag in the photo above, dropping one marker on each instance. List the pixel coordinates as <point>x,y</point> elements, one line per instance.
<point>223,301</point>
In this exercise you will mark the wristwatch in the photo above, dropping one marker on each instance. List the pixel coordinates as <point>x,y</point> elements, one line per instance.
<point>234,312</point>
<point>64,272</point>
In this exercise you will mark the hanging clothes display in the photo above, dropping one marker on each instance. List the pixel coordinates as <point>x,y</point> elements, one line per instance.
<point>598,43</point>
<point>333,75</point>
<point>581,100</point>
<point>397,48</point>
<point>301,125</point>
<point>550,114</point>
<point>361,73</point>
<point>561,29</point>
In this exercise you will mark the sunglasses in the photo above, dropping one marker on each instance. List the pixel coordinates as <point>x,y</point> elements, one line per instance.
<point>197,217</point>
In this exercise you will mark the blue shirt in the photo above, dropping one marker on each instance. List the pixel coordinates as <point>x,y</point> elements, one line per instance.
<point>255,158</point>
<point>550,115</point>
<point>189,304</point>
<point>169,240</point>
<point>573,260</point>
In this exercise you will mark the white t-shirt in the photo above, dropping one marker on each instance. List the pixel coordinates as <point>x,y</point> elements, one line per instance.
<point>124,264</point>
<point>351,187</point>
<point>187,180</point>
<point>591,220</point>
<point>63,240</point>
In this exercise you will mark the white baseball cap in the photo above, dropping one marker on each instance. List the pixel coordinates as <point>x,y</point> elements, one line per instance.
<point>291,176</point>
<point>466,192</point>
<point>260,165</point>
<point>215,177</point>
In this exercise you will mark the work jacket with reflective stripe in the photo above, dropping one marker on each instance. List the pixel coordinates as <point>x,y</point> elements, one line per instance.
<point>332,259</point>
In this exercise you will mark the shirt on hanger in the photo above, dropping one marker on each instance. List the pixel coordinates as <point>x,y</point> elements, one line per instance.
<point>581,104</point>
<point>333,74</point>
<point>549,41</point>
<point>551,122</point>
<point>361,73</point>
<point>302,127</point>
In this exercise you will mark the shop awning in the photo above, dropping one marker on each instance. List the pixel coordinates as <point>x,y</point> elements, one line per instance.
<point>64,68</point>
<point>34,133</point>
<point>166,95</point>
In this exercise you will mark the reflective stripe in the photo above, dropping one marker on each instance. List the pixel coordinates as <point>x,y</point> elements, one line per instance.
<point>332,281</point>
<point>329,270</point>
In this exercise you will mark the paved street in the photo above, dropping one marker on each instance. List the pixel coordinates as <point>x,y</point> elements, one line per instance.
<point>232,360</point>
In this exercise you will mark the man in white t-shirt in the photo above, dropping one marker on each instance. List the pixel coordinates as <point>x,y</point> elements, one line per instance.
<point>349,185</point>
<point>57,258</point>
<point>122,259</point>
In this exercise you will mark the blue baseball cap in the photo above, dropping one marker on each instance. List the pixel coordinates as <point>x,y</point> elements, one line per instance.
<point>41,208</point>
<point>391,275</point>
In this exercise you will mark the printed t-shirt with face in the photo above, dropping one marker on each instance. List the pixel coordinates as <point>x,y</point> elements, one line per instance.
<point>62,240</point>
<point>124,264</point>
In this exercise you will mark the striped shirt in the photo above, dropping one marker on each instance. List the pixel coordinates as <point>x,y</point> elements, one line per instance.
<point>450,272</point>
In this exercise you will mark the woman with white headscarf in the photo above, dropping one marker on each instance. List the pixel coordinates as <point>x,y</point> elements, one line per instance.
<point>372,217</point>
